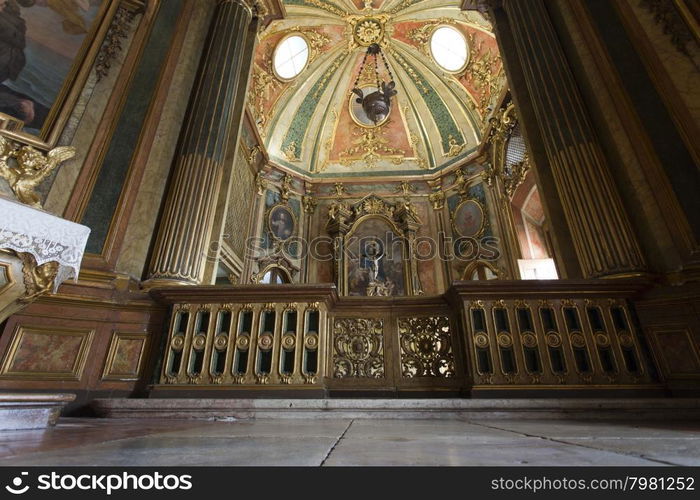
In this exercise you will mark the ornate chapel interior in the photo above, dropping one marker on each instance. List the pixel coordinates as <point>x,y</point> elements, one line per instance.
<point>352,198</point>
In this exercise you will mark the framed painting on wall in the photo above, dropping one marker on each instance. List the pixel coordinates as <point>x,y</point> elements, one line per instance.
<point>47,48</point>
<point>468,219</point>
<point>281,222</point>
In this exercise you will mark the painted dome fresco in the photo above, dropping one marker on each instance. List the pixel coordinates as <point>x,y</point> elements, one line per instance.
<point>444,61</point>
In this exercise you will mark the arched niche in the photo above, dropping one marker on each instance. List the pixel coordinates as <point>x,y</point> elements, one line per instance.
<point>375,263</point>
<point>274,275</point>
<point>374,247</point>
<point>481,271</point>
<point>274,270</point>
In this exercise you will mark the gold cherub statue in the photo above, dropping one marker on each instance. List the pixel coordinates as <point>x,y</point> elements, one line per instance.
<point>30,168</point>
<point>38,279</point>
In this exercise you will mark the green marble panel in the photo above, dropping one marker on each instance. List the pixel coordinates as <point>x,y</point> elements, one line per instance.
<point>438,109</point>
<point>110,180</point>
<point>302,118</point>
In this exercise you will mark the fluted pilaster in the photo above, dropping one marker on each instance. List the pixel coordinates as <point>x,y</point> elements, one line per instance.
<point>211,127</point>
<point>602,236</point>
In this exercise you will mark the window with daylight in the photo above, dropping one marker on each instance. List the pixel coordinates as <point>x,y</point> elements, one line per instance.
<point>275,276</point>
<point>449,49</point>
<point>291,57</point>
<point>538,269</point>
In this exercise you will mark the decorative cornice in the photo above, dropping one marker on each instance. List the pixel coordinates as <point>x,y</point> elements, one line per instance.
<point>325,293</point>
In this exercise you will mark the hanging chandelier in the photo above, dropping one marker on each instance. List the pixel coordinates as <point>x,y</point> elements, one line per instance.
<point>376,104</point>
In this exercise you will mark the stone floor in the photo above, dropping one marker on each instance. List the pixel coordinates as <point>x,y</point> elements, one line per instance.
<point>328,442</point>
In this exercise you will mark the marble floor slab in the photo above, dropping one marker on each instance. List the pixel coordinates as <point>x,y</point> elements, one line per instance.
<point>373,442</point>
<point>672,451</point>
<point>299,429</point>
<point>468,451</point>
<point>415,429</point>
<point>596,429</point>
<point>194,451</point>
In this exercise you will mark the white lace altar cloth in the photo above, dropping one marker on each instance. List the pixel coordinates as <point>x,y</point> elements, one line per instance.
<point>47,237</point>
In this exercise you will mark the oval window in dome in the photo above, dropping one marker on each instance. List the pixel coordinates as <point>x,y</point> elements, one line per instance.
<point>291,57</point>
<point>449,49</point>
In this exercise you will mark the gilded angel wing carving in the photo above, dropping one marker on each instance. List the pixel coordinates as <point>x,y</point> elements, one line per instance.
<point>6,171</point>
<point>34,168</point>
<point>30,168</point>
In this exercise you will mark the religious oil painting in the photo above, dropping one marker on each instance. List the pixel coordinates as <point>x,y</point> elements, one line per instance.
<point>281,222</point>
<point>375,264</point>
<point>43,46</point>
<point>468,219</point>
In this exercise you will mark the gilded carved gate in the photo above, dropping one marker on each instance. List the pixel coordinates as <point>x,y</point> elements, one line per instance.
<point>395,348</point>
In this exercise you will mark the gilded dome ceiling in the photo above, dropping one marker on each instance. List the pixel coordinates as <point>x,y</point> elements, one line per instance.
<point>309,123</point>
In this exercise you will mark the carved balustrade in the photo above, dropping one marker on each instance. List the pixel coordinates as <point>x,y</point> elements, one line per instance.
<point>479,336</point>
<point>245,336</point>
<point>552,334</point>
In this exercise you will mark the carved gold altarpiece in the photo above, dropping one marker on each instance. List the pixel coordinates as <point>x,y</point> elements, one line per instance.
<point>397,219</point>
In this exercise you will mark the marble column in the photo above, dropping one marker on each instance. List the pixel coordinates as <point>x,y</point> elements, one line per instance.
<point>211,127</point>
<point>599,228</point>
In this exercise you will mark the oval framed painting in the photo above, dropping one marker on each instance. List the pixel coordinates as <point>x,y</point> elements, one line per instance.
<point>468,219</point>
<point>281,222</point>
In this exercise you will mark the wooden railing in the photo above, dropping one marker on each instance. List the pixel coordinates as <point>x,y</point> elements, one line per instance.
<point>485,335</point>
<point>244,337</point>
<point>551,334</point>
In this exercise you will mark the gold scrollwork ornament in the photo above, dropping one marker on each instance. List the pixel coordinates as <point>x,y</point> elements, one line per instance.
<point>577,340</point>
<point>265,341</point>
<point>199,342</point>
<point>529,340</point>
<point>626,340</point>
<point>504,340</point>
<point>288,341</point>
<point>481,341</point>
<point>455,148</point>
<point>602,340</point>
<point>553,339</point>
<point>220,342</point>
<point>309,203</point>
<point>426,347</point>
<point>311,342</point>
<point>260,183</point>
<point>358,348</point>
<point>243,342</point>
<point>177,343</point>
<point>437,200</point>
